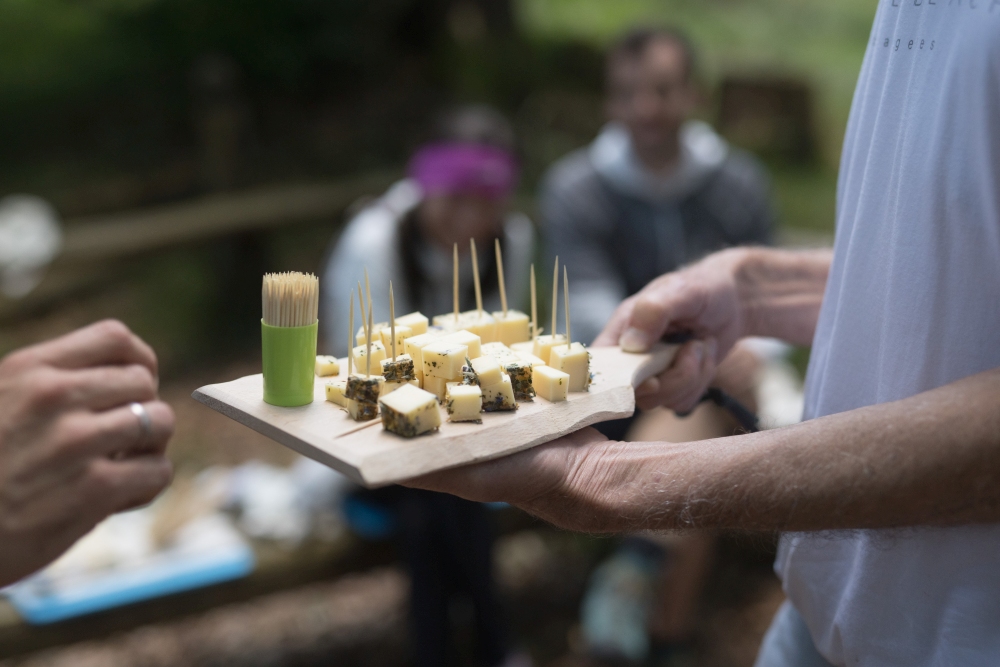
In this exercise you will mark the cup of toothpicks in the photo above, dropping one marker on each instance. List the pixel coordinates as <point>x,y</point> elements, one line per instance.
<point>288,329</point>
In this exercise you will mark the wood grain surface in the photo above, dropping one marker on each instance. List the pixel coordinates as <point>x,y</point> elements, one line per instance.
<point>374,457</point>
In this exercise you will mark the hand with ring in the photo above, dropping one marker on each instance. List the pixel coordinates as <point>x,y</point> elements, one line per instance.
<point>82,436</point>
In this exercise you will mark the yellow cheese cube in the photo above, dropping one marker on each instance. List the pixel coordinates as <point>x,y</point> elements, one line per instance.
<point>543,344</point>
<point>468,339</point>
<point>575,360</point>
<point>412,347</point>
<point>464,402</point>
<point>444,359</point>
<point>549,383</point>
<point>336,392</point>
<point>410,411</point>
<point>327,365</point>
<point>487,370</point>
<point>389,387</point>
<point>402,333</point>
<point>500,352</point>
<point>416,321</point>
<point>378,354</point>
<point>499,396</point>
<point>483,325</point>
<point>529,358</point>
<point>527,346</point>
<point>437,386</point>
<point>515,327</point>
<point>359,338</point>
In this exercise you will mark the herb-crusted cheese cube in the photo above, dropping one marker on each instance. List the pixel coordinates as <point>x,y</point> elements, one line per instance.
<point>410,411</point>
<point>364,388</point>
<point>378,354</point>
<point>417,322</point>
<point>468,339</point>
<point>327,365</point>
<point>402,333</point>
<point>436,386</point>
<point>336,392</point>
<point>574,360</point>
<point>543,345</point>
<point>519,373</point>
<point>487,370</point>
<point>362,411</point>
<point>499,396</point>
<point>401,370</point>
<point>549,383</point>
<point>514,327</point>
<point>443,359</point>
<point>464,403</point>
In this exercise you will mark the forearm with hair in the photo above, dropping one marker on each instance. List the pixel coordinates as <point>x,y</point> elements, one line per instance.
<point>781,292</point>
<point>932,459</point>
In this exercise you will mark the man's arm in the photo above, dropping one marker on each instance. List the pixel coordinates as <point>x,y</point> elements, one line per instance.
<point>727,296</point>
<point>930,459</point>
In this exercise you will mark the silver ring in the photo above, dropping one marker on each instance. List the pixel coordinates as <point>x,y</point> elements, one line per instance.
<point>145,421</point>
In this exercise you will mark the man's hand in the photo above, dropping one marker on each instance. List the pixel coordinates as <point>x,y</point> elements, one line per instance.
<point>71,450</point>
<point>726,296</point>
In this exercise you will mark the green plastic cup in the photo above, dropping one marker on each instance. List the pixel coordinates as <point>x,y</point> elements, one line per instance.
<point>289,355</point>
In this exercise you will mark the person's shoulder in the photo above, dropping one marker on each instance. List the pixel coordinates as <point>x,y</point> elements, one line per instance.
<point>572,173</point>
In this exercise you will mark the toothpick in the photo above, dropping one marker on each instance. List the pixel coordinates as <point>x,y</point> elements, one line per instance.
<point>534,305</point>
<point>569,339</point>
<point>368,294</point>
<point>350,338</point>
<point>392,322</point>
<point>355,429</point>
<point>503,288</point>
<point>364,313</point>
<point>454,278</point>
<point>368,343</point>
<point>555,297</point>
<point>475,278</point>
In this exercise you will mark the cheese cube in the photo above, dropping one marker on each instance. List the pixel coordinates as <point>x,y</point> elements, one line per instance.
<point>499,396</point>
<point>487,370</point>
<point>362,411</point>
<point>530,359</point>
<point>364,388</point>
<point>519,373</point>
<point>437,386</point>
<point>416,321</point>
<point>413,346</point>
<point>327,365</point>
<point>390,386</point>
<point>543,345</point>
<point>378,354</point>
<point>359,338</point>
<point>410,411</point>
<point>336,392</point>
<point>468,339</point>
<point>549,383</point>
<point>400,370</point>
<point>499,351</point>
<point>574,360</point>
<point>464,403</point>
<point>515,327</point>
<point>527,346</point>
<point>402,333</point>
<point>483,325</point>
<point>443,359</point>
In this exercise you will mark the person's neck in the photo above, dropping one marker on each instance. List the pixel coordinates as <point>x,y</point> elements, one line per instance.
<point>660,160</point>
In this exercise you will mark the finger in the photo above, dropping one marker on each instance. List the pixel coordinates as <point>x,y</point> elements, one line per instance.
<point>115,486</point>
<point>616,325</point>
<point>114,433</point>
<point>105,387</point>
<point>683,379</point>
<point>706,373</point>
<point>105,343</point>
<point>656,307</point>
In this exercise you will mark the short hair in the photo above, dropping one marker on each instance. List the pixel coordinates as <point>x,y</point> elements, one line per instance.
<point>474,124</point>
<point>636,40</point>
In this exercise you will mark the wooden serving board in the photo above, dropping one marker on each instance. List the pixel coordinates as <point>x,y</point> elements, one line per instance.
<point>374,457</point>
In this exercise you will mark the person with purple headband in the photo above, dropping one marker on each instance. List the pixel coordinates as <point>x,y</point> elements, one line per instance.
<point>459,186</point>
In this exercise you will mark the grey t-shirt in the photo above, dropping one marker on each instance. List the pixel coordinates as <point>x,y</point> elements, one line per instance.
<point>912,303</point>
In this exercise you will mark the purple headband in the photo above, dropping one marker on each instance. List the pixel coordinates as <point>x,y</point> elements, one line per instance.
<point>449,168</point>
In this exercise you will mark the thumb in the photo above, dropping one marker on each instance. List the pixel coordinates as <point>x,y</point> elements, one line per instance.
<point>656,309</point>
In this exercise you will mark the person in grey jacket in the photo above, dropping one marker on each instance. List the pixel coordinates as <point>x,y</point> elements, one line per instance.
<point>655,190</point>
